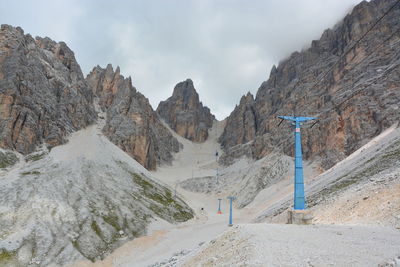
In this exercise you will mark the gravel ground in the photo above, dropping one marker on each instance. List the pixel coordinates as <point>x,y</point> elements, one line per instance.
<point>297,245</point>
<point>207,240</point>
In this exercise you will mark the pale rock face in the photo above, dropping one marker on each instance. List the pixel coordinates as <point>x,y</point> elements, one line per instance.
<point>131,122</point>
<point>185,114</point>
<point>241,124</point>
<point>43,95</point>
<point>355,102</point>
<point>85,197</point>
<point>78,201</point>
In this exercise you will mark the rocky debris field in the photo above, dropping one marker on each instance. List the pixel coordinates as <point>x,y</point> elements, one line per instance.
<point>79,201</point>
<point>362,189</point>
<point>300,245</point>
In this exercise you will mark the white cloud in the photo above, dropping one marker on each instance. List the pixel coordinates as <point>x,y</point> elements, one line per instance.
<point>227,47</point>
<point>57,19</point>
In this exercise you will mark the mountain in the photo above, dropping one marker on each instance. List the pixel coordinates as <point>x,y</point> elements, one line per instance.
<point>76,154</point>
<point>185,114</point>
<point>355,99</point>
<point>79,201</point>
<point>131,122</point>
<point>44,97</point>
<point>43,94</point>
<point>362,189</point>
<point>67,193</point>
<point>244,116</point>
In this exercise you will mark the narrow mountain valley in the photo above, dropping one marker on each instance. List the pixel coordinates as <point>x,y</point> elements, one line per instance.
<point>92,175</point>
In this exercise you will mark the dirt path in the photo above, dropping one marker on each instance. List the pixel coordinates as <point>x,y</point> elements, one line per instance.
<point>253,244</point>
<point>165,240</point>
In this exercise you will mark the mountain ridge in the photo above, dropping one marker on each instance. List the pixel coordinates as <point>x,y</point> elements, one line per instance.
<point>131,122</point>
<point>43,96</point>
<point>355,101</point>
<point>62,201</point>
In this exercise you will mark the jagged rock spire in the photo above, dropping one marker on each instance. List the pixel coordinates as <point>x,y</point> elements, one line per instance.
<point>131,122</point>
<point>185,114</point>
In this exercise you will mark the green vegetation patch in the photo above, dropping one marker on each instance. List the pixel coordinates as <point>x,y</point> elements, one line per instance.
<point>168,206</point>
<point>182,214</point>
<point>75,244</point>
<point>150,191</point>
<point>96,229</point>
<point>377,165</point>
<point>112,220</point>
<point>7,159</point>
<point>392,155</point>
<point>143,183</point>
<point>31,173</point>
<point>157,210</point>
<point>6,256</point>
<point>35,157</point>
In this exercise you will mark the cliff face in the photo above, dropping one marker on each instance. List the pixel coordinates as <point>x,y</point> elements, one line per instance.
<point>241,124</point>
<point>131,123</point>
<point>185,114</point>
<point>82,199</point>
<point>43,94</point>
<point>356,100</point>
<point>44,97</point>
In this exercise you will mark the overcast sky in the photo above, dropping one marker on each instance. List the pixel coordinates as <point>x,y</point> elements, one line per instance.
<point>227,47</point>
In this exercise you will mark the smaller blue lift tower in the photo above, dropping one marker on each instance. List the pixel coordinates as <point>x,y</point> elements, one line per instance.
<point>299,198</point>
<point>231,198</point>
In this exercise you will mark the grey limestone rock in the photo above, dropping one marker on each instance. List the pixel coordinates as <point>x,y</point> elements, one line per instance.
<point>241,124</point>
<point>131,123</point>
<point>185,114</point>
<point>355,101</point>
<point>43,94</point>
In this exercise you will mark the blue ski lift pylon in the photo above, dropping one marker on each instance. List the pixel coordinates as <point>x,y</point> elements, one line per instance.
<point>299,197</point>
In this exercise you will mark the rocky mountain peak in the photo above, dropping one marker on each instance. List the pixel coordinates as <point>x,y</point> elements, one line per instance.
<point>241,123</point>
<point>356,99</point>
<point>273,71</point>
<point>186,94</point>
<point>131,122</point>
<point>184,86</point>
<point>103,196</point>
<point>43,96</point>
<point>105,83</point>
<point>185,114</point>
<point>247,99</point>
